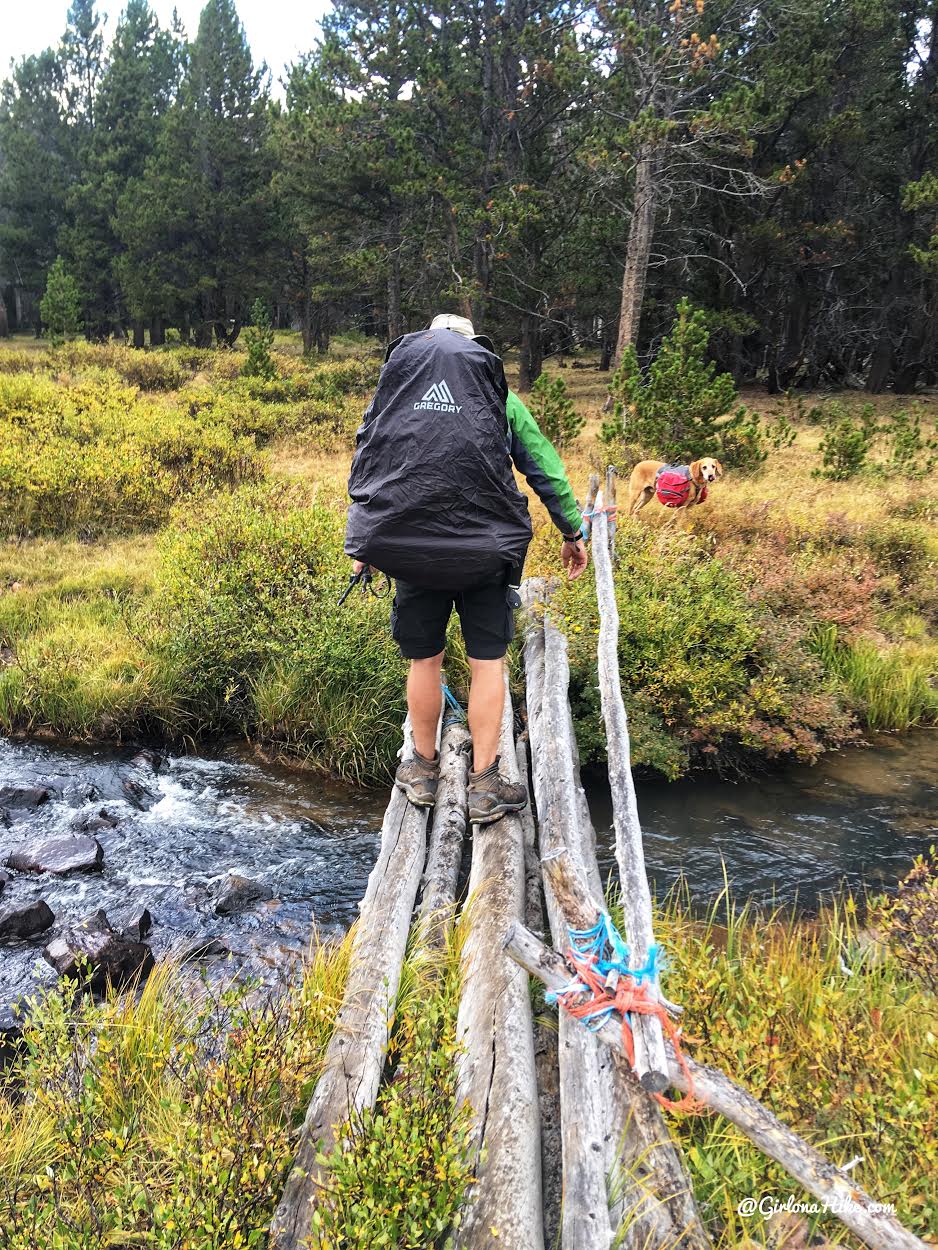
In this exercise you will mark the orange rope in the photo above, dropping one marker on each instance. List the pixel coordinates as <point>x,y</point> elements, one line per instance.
<point>627,996</point>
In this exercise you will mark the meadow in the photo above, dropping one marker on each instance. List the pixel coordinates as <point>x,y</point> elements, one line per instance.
<point>170,561</point>
<point>171,557</point>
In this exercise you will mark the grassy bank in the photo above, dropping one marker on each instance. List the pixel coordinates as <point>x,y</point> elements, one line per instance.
<point>171,556</point>
<point>153,1122</point>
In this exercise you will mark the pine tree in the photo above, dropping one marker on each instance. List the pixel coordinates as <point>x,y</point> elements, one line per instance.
<point>682,410</point>
<point>197,226</point>
<point>135,91</point>
<point>61,305</point>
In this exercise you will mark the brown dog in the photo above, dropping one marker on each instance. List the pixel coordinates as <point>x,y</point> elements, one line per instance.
<point>642,482</point>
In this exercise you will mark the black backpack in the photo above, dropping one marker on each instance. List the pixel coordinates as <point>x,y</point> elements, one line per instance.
<point>434,498</point>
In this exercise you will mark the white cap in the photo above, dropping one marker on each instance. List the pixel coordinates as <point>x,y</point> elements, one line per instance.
<point>449,321</point>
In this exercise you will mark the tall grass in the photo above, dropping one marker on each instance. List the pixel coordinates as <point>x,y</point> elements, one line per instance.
<point>891,689</point>
<point>166,1119</point>
<point>829,1030</point>
<point>162,1119</point>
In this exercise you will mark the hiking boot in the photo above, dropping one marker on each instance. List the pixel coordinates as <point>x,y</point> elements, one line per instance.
<point>491,796</point>
<point>419,778</point>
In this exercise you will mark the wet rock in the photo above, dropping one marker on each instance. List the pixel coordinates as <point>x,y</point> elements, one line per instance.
<point>235,893</point>
<point>97,955</point>
<point>92,822</point>
<point>137,795</point>
<point>149,759</point>
<point>59,855</point>
<point>24,798</point>
<point>5,879</point>
<point>137,925</point>
<point>24,919</point>
<point>11,1031</point>
<point>204,948</point>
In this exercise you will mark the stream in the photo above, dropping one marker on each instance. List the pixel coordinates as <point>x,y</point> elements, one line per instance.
<point>176,825</point>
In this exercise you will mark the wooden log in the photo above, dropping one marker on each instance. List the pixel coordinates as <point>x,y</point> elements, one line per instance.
<point>588,1139</point>
<point>495,1072</point>
<point>447,836</point>
<point>589,505</point>
<point>624,1181</point>
<point>610,502</point>
<point>650,1060</point>
<point>355,1055</point>
<point>879,1229</point>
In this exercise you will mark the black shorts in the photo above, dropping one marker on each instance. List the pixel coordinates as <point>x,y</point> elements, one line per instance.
<point>486,614</point>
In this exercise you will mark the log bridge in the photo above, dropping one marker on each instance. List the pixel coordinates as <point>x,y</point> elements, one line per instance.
<point>623,1181</point>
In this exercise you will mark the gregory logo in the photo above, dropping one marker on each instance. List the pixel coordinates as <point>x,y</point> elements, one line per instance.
<point>439,398</point>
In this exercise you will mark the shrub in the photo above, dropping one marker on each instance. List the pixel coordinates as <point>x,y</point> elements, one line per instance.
<point>912,454</point>
<point>844,448</point>
<point>160,1119</point>
<point>680,411</point>
<point>909,920</point>
<point>251,628</point>
<point>60,307</point>
<point>259,337</point>
<point>93,457</point>
<point>554,411</point>
<point>709,677</point>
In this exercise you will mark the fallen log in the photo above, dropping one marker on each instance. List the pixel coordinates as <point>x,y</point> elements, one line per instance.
<point>878,1228</point>
<point>650,1061</point>
<point>355,1055</point>
<point>496,1073</point>
<point>447,836</point>
<point>624,1180</point>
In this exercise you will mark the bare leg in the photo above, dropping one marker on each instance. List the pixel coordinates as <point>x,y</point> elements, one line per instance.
<point>424,702</point>
<point>486,703</point>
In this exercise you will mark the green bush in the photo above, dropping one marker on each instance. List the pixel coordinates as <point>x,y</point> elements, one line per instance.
<point>251,628</point>
<point>93,457</point>
<point>912,455</point>
<point>554,410</point>
<point>60,307</point>
<point>681,411</point>
<point>844,448</point>
<point>890,688</point>
<point>259,338</point>
<point>709,678</point>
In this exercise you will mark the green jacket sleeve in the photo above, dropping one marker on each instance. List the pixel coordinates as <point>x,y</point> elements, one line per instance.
<point>535,457</point>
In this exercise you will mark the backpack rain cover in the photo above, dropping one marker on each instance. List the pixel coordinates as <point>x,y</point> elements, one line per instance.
<point>434,497</point>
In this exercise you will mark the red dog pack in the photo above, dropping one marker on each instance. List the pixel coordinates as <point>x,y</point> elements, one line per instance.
<point>672,485</point>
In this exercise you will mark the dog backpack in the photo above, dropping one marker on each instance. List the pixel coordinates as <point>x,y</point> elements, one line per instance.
<point>434,497</point>
<point>673,485</point>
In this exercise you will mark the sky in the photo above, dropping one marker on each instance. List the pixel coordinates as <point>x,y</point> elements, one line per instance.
<point>277,30</point>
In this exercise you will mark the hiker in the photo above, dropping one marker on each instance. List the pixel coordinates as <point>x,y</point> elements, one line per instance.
<point>435,505</point>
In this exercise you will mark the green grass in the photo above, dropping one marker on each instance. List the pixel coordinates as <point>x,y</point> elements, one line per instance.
<point>723,656</point>
<point>893,688</point>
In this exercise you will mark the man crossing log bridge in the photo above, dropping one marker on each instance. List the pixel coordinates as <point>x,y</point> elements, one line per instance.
<point>435,505</point>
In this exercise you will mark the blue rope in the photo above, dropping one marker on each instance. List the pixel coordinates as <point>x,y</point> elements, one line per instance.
<point>455,715</point>
<point>604,945</point>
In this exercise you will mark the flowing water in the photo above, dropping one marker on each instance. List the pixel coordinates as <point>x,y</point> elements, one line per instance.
<point>857,818</point>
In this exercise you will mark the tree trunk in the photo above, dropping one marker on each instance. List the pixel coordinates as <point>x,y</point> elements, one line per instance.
<point>641,232</point>
<point>138,329</point>
<point>532,351</point>
<point>395,317</point>
<point>157,333</point>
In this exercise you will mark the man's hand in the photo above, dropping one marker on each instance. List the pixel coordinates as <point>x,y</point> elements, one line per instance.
<point>358,567</point>
<point>573,557</point>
